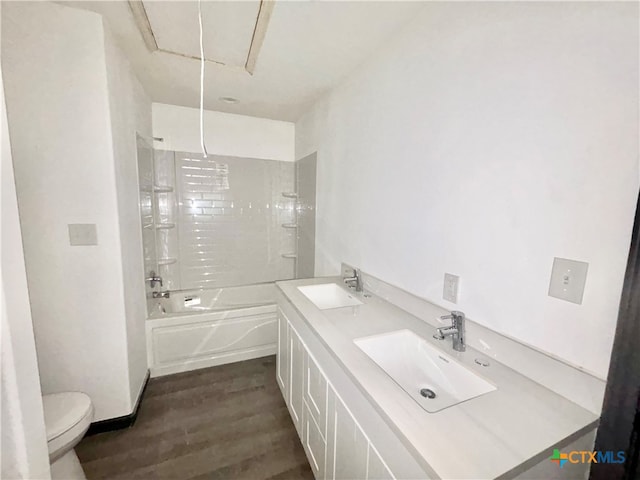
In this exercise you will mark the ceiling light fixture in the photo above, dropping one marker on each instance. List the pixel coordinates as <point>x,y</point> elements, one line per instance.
<point>204,147</point>
<point>230,100</point>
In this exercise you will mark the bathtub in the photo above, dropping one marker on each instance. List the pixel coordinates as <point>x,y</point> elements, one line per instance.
<point>202,328</point>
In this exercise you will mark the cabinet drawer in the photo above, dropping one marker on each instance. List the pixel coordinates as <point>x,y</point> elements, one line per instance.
<point>315,393</point>
<point>314,444</point>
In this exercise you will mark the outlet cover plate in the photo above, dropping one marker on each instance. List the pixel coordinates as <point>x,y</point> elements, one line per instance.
<point>451,284</point>
<point>568,278</point>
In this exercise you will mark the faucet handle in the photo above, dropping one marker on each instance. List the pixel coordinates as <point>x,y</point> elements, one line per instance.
<point>153,279</point>
<point>454,315</point>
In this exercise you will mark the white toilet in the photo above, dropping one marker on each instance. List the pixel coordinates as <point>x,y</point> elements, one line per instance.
<point>67,417</point>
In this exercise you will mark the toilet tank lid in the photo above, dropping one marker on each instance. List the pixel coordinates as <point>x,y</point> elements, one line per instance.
<point>62,411</point>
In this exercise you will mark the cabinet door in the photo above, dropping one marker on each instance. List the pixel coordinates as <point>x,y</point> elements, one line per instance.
<point>282,357</point>
<point>330,434</point>
<point>315,393</point>
<point>296,369</point>
<point>314,444</point>
<point>377,469</point>
<point>351,447</point>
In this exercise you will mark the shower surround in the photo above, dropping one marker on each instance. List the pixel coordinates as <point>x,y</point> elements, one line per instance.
<point>221,223</point>
<point>223,227</point>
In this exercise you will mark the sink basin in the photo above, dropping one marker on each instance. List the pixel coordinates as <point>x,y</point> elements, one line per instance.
<point>432,378</point>
<point>329,295</point>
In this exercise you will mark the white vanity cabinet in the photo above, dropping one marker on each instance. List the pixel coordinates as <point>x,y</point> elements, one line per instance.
<point>336,445</point>
<point>353,426</point>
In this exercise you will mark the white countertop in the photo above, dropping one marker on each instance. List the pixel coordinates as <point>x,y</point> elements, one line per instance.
<point>484,437</point>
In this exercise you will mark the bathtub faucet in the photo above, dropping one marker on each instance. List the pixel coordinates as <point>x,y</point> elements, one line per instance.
<point>161,294</point>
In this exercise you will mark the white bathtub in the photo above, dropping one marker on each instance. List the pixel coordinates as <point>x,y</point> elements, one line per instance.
<point>202,328</point>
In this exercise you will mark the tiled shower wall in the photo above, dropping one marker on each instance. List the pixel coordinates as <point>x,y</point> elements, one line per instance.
<point>228,214</point>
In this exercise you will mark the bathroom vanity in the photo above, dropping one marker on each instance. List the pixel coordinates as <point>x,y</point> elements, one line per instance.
<point>357,422</point>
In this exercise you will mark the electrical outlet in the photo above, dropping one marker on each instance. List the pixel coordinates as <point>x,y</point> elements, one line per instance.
<point>451,284</point>
<point>568,278</point>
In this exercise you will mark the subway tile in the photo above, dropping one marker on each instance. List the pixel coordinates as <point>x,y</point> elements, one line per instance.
<point>200,203</point>
<point>214,196</point>
<point>230,222</point>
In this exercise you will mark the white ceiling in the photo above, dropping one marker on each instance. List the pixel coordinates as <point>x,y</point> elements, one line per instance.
<point>309,48</point>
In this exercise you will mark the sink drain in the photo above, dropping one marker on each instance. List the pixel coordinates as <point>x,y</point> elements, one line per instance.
<point>427,393</point>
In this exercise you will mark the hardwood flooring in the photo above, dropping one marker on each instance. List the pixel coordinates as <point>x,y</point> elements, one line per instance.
<point>226,422</point>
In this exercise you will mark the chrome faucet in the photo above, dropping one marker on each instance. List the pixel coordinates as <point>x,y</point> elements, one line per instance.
<point>455,330</point>
<point>353,281</point>
<point>153,279</point>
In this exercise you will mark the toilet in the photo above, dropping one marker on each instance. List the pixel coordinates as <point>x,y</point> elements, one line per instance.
<point>67,417</point>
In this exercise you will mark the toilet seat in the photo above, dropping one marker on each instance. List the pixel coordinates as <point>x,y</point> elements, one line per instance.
<point>67,417</point>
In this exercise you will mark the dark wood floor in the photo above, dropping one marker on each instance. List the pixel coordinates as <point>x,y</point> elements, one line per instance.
<point>227,422</point>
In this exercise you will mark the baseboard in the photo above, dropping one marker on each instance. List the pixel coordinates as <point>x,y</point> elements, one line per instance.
<point>119,423</point>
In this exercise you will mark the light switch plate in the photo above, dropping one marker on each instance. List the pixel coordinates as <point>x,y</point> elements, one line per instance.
<point>83,234</point>
<point>568,278</point>
<point>451,283</point>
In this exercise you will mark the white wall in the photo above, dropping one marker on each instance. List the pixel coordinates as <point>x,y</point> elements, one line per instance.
<point>130,111</point>
<point>24,443</point>
<point>59,112</point>
<point>225,133</point>
<point>483,141</point>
